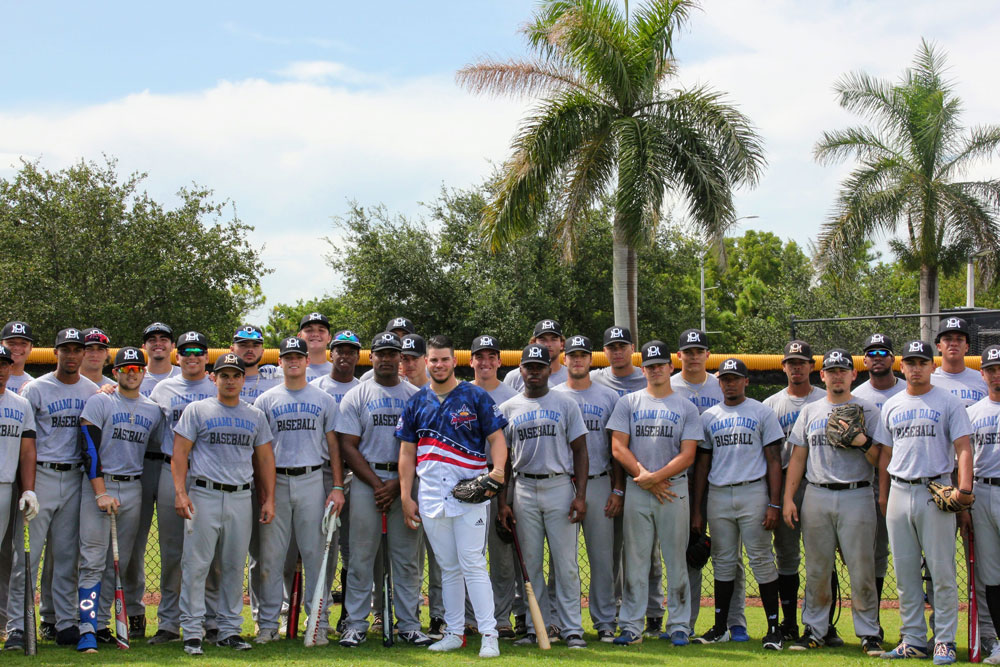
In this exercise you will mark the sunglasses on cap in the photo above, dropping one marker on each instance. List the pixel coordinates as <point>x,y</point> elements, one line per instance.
<point>131,369</point>
<point>878,353</point>
<point>242,334</point>
<point>192,351</point>
<point>96,337</point>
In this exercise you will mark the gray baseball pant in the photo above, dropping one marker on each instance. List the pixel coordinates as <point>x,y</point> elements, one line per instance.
<point>787,547</point>
<point>221,523</point>
<point>735,515</point>
<point>134,575</point>
<point>917,527</point>
<point>654,608</point>
<point>986,523</point>
<point>846,519</point>
<point>598,535</point>
<point>9,495</point>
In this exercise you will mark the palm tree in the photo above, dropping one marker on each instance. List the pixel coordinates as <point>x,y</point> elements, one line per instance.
<point>908,161</point>
<point>607,125</point>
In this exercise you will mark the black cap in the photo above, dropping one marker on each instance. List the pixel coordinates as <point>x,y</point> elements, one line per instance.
<point>485,342</point>
<point>67,336</point>
<point>400,323</point>
<point>547,326</point>
<point>130,356</point>
<point>535,354</point>
<point>838,358</point>
<point>991,356</point>
<point>314,318</point>
<point>292,345</point>
<point>617,334</point>
<point>192,339</point>
<point>95,336</point>
<point>17,329</point>
<point>798,349</point>
<point>953,324</point>
<point>5,354</point>
<point>157,328</point>
<point>733,366</point>
<point>386,341</point>
<point>878,341</point>
<point>346,337</point>
<point>655,352</point>
<point>918,349</point>
<point>581,344</point>
<point>229,360</point>
<point>692,338</point>
<point>249,332</point>
<point>414,345</point>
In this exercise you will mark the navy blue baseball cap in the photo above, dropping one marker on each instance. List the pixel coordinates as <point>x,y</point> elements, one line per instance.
<point>129,356</point>
<point>655,352</point>
<point>229,360</point>
<point>535,354</point>
<point>918,349</point>
<point>293,345</point>
<point>17,329</point>
<point>838,358</point>
<point>386,341</point>
<point>249,332</point>
<point>485,342</point>
<point>579,344</point>
<point>157,328</point>
<point>733,366</point>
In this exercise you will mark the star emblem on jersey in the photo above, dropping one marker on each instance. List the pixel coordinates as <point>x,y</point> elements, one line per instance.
<point>463,417</point>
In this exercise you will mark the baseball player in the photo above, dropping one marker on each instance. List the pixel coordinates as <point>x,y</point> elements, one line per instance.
<point>16,337</point>
<point>697,385</point>
<point>444,432</point>
<point>985,417</point>
<point>964,383</point>
<point>787,404</point>
<point>740,458</point>
<point>366,426</point>
<point>605,482</point>
<point>927,428</point>
<point>620,374</point>
<point>838,508</point>
<point>158,343</point>
<point>548,452</point>
<point>400,326</point>
<point>248,345</point>
<point>314,329</point>
<point>173,395</point>
<point>413,362</point>
<point>57,399</point>
<point>654,433</point>
<point>17,459</point>
<point>229,444</point>
<point>115,429</point>
<point>96,356</point>
<point>301,417</point>
<point>549,334</point>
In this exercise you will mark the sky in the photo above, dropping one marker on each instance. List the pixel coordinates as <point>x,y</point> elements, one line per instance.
<point>292,111</point>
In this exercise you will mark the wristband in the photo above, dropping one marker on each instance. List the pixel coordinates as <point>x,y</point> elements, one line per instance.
<point>965,493</point>
<point>338,488</point>
<point>868,443</point>
<point>618,492</point>
<point>99,496</point>
<point>777,507</point>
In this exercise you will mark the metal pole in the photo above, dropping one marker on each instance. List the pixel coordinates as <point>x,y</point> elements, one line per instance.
<point>970,283</point>
<point>702,263</point>
<point>794,337</point>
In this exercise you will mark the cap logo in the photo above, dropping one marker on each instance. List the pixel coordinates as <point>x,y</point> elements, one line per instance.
<point>72,333</point>
<point>548,324</point>
<point>17,328</point>
<point>694,337</point>
<point>386,338</point>
<point>835,356</point>
<point>993,354</point>
<point>916,346</point>
<point>795,348</point>
<point>315,316</point>
<point>230,359</point>
<point>953,323</point>
<point>577,340</point>
<point>409,344</point>
<point>617,333</point>
<point>347,334</point>
<point>877,338</point>
<point>399,322</point>
<point>130,355</point>
<point>486,340</point>
<point>729,365</point>
<point>653,351</point>
<point>190,336</point>
<point>535,353</point>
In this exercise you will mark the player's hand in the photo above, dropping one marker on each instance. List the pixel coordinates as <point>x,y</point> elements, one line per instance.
<point>697,521</point>
<point>108,389</point>
<point>771,518</point>
<point>267,511</point>
<point>386,494</point>
<point>183,506</point>
<point>614,506</point>
<point>644,479</point>
<point>790,514</point>
<point>965,524</point>
<point>505,515</point>
<point>108,504</point>
<point>336,498</point>
<point>662,491</point>
<point>28,504</point>
<point>577,510</point>
<point>411,513</point>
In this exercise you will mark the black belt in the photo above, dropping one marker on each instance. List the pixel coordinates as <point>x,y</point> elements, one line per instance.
<point>548,475</point>
<point>600,474</point>
<point>391,467</point>
<point>918,480</point>
<point>992,481</point>
<point>746,483</point>
<point>58,467</point>
<point>295,472</point>
<point>122,478</point>
<point>215,486</point>
<point>842,486</point>
<point>156,456</point>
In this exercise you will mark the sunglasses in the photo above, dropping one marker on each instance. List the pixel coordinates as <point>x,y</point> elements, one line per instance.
<point>248,335</point>
<point>878,353</point>
<point>131,369</point>
<point>192,352</point>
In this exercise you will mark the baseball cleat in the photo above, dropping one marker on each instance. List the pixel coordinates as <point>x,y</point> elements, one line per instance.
<point>772,641</point>
<point>489,647</point>
<point>451,642</point>
<point>807,641</point>
<point>905,650</point>
<point>872,646</point>
<point>575,641</point>
<point>713,636</point>
<point>738,633</point>
<point>352,638</point>
<point>606,636</point>
<point>416,638</point>
<point>627,638</point>
<point>944,653</point>
<point>193,647</point>
<point>832,639</point>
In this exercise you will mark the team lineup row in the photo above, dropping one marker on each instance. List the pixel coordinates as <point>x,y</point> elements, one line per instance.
<point>641,459</point>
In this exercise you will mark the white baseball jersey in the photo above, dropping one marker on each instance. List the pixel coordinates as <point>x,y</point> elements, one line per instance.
<point>299,421</point>
<point>150,380</point>
<point>968,386</point>
<point>702,396</point>
<point>128,426</point>
<point>175,394</point>
<point>736,435</point>
<point>57,409</point>
<point>224,439</point>
<point>16,417</point>
<point>15,383</point>
<point>267,377</point>
<point>866,391</point>
<point>514,381</point>
<point>827,464</point>
<point>597,402</point>
<point>922,430</point>
<point>656,426</point>
<point>787,408</point>
<point>634,381</point>
<point>540,430</point>
<point>371,412</point>
<point>985,418</point>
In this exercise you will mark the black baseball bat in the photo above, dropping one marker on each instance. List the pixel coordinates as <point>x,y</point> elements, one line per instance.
<point>387,623</point>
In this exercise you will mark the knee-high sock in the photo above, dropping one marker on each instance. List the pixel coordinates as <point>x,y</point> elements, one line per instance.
<point>723,596</point>
<point>788,593</point>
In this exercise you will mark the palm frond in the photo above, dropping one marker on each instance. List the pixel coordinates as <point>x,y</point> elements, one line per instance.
<point>654,28</point>
<point>515,78</point>
<point>983,141</point>
<point>865,209</point>
<point>588,178</point>
<point>875,99</point>
<point>859,142</point>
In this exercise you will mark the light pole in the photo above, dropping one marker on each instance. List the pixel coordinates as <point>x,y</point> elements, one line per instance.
<point>701,264</point>
<point>970,278</point>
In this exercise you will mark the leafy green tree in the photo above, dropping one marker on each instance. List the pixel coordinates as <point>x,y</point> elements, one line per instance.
<point>609,125</point>
<point>81,247</point>
<point>909,162</point>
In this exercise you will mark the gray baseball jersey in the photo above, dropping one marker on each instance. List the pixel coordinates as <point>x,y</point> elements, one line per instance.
<point>336,389</point>
<point>787,408</point>
<point>702,396</point>
<point>224,439</point>
<point>57,409</point>
<point>150,380</point>
<point>634,381</point>
<point>866,391</point>
<point>15,383</point>
<point>921,430</point>
<point>597,402</point>
<point>16,417</point>
<point>514,381</point>
<point>314,371</point>
<point>985,418</point>
<point>968,386</point>
<point>267,377</point>
<point>827,464</point>
<point>299,421</point>
<point>104,381</point>
<point>539,431</point>
<point>128,426</point>
<point>370,411</point>
<point>736,435</point>
<point>656,426</point>
<point>175,394</point>
<point>502,393</point>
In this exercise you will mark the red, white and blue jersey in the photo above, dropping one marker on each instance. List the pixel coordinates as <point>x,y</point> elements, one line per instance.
<point>451,442</point>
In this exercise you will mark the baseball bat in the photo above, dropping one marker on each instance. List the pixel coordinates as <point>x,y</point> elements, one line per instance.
<point>295,602</point>
<point>318,606</point>
<point>387,623</point>
<point>30,632</point>
<point>536,613</point>
<point>121,615</point>
<point>975,649</point>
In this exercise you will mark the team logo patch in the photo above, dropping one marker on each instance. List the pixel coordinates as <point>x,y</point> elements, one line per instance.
<point>548,324</point>
<point>729,365</point>
<point>617,333</point>
<point>795,348</point>
<point>577,340</point>
<point>835,356</point>
<point>694,337</point>
<point>131,355</point>
<point>72,333</point>
<point>486,341</point>
<point>315,317</point>
<point>916,346</point>
<point>993,354</point>
<point>17,328</point>
<point>535,353</point>
<point>953,323</point>
<point>463,417</point>
<point>653,351</point>
<point>399,323</point>
<point>878,338</point>
<point>190,336</point>
<point>409,344</point>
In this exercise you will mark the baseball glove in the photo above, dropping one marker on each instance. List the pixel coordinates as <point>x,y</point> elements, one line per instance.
<point>946,498</point>
<point>474,490</point>
<point>505,535</point>
<point>846,422</point>
<point>698,551</point>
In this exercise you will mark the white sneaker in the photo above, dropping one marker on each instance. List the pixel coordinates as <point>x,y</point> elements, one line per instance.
<point>266,635</point>
<point>449,642</point>
<point>490,647</point>
<point>994,657</point>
